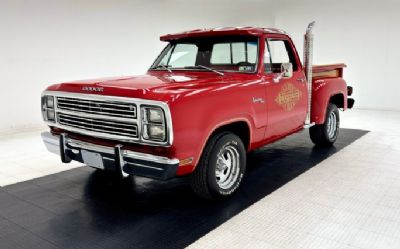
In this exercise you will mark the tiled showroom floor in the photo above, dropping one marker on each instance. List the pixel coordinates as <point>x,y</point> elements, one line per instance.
<point>349,200</point>
<point>26,158</point>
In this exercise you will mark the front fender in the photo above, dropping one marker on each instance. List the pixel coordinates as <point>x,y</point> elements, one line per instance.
<point>196,116</point>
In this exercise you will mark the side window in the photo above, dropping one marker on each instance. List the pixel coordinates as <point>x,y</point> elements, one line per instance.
<point>279,51</point>
<point>183,55</point>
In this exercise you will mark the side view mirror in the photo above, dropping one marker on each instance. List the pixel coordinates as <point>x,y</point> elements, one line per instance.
<point>286,72</point>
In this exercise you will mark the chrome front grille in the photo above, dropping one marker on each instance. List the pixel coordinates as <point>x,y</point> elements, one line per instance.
<point>114,127</point>
<point>106,117</point>
<point>98,116</point>
<point>109,108</point>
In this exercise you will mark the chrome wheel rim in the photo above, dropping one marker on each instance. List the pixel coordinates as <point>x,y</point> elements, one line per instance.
<point>228,167</point>
<point>332,125</point>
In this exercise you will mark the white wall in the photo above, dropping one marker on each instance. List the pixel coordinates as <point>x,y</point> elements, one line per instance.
<point>362,34</point>
<point>47,41</point>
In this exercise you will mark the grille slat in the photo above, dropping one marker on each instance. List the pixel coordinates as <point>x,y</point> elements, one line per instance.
<point>94,107</point>
<point>99,125</point>
<point>98,130</point>
<point>76,100</point>
<point>108,108</point>
<point>95,112</point>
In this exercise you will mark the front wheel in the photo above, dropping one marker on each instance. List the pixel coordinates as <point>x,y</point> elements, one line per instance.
<point>326,134</point>
<point>221,167</point>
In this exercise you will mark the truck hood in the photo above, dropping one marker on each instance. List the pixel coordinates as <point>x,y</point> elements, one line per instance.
<point>153,85</point>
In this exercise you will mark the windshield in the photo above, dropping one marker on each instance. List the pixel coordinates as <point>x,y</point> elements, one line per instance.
<point>236,54</point>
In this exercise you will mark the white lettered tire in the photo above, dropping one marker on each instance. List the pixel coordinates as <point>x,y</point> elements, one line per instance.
<point>221,167</point>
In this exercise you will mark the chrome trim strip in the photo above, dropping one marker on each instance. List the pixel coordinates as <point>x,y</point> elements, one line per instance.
<point>88,146</point>
<point>138,102</point>
<point>53,140</point>
<point>144,166</point>
<point>149,157</point>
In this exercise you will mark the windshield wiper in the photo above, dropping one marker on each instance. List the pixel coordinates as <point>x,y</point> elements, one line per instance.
<point>162,66</point>
<point>207,68</point>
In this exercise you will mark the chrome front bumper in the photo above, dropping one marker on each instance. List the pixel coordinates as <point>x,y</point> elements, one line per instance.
<point>125,162</point>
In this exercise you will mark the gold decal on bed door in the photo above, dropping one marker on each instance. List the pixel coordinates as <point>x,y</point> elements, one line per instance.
<point>288,97</point>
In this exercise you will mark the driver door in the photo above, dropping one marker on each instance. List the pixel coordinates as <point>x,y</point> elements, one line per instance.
<point>286,96</point>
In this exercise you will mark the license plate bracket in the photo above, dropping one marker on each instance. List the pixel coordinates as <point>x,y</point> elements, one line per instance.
<point>92,159</point>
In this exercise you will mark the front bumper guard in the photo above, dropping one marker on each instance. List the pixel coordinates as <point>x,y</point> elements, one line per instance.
<point>126,162</point>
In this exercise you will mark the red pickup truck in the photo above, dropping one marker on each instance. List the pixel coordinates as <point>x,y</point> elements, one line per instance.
<point>211,96</point>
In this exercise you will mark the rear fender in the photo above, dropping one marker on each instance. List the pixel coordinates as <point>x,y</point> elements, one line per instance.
<point>325,91</point>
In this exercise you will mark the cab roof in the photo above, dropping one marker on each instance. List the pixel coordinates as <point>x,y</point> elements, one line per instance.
<point>255,31</point>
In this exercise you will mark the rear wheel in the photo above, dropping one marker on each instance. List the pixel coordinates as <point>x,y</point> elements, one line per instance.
<point>221,167</point>
<point>326,134</point>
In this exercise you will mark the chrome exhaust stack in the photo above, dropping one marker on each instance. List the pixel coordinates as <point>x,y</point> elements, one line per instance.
<point>308,61</point>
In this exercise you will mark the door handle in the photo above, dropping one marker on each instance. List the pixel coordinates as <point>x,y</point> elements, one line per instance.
<point>301,80</point>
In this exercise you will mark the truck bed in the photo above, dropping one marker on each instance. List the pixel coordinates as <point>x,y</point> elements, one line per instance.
<point>328,71</point>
